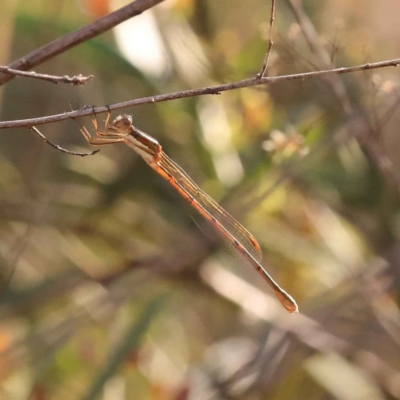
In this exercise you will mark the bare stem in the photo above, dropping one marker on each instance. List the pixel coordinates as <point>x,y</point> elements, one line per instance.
<point>84,111</point>
<point>264,68</point>
<point>72,80</point>
<point>72,39</point>
<point>367,135</point>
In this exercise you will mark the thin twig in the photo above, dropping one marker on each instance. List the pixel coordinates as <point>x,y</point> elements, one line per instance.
<point>16,252</point>
<point>322,56</point>
<point>84,111</point>
<point>300,57</point>
<point>366,135</point>
<point>72,80</point>
<point>72,39</point>
<point>56,146</point>
<point>264,68</point>
<point>390,112</point>
<point>309,32</point>
<point>317,337</point>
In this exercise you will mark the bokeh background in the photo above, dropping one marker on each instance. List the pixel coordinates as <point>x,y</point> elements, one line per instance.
<point>109,289</point>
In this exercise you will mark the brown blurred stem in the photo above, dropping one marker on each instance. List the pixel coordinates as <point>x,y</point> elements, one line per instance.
<point>72,39</point>
<point>264,68</point>
<point>72,80</point>
<point>367,135</point>
<point>322,56</point>
<point>85,110</point>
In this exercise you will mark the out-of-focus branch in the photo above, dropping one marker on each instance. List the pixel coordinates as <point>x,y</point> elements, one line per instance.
<point>84,111</point>
<point>366,134</point>
<point>323,58</point>
<point>72,80</point>
<point>308,332</point>
<point>72,39</point>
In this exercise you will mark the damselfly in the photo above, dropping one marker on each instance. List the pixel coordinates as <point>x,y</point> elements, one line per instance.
<point>122,131</point>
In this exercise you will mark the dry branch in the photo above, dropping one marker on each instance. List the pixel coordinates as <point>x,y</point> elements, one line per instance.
<point>72,39</point>
<point>72,80</point>
<point>264,68</point>
<point>85,110</point>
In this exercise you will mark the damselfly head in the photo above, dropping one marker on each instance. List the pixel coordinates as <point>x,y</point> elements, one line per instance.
<point>123,122</point>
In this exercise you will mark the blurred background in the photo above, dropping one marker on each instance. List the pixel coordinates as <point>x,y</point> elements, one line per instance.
<point>109,289</point>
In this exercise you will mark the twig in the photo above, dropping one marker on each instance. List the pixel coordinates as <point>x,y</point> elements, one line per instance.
<point>56,146</point>
<point>309,32</point>
<point>389,112</point>
<point>310,333</point>
<point>72,80</point>
<point>323,58</point>
<point>365,133</point>
<point>264,68</point>
<point>84,111</point>
<point>72,39</point>
<point>300,57</point>
<point>16,252</point>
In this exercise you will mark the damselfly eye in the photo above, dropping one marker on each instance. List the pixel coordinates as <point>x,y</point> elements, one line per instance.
<point>123,122</point>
